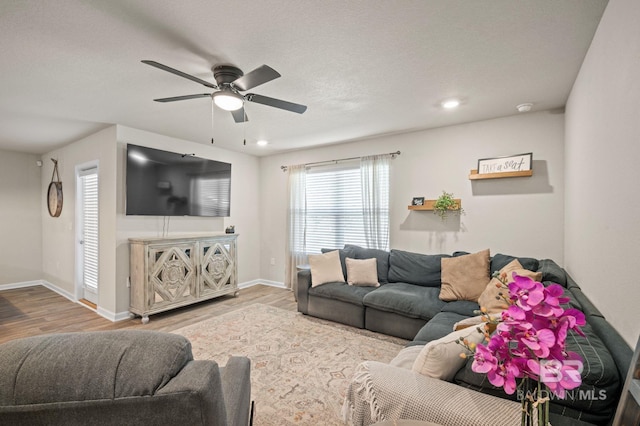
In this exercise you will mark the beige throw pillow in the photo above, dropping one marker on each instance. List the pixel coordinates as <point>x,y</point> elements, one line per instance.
<point>490,298</point>
<point>464,277</point>
<point>441,358</point>
<point>362,272</point>
<point>325,268</point>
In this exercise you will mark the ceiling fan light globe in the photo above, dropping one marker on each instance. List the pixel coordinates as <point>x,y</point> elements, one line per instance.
<point>228,101</point>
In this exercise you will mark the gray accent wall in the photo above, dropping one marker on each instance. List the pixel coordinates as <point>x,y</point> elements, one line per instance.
<point>602,215</point>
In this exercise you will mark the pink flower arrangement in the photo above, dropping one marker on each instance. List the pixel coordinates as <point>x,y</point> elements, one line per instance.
<point>530,342</point>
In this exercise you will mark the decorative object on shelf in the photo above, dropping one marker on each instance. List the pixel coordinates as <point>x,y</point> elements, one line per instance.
<point>54,194</point>
<point>446,203</point>
<point>230,229</point>
<point>529,344</point>
<point>417,201</point>
<point>508,164</point>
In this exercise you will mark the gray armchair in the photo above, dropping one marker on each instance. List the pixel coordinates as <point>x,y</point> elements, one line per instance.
<point>119,377</point>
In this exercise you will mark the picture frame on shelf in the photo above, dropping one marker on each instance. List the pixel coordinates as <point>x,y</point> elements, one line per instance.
<point>417,201</point>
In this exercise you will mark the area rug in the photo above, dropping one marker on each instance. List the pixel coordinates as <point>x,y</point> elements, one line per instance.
<point>300,366</point>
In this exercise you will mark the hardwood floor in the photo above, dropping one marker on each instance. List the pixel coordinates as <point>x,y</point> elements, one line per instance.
<point>37,310</point>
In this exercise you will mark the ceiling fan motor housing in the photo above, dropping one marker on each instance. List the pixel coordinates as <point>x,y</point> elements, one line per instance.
<point>226,74</point>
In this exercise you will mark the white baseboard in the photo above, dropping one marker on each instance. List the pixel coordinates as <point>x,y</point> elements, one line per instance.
<point>58,290</point>
<point>119,316</point>
<point>20,285</point>
<point>111,316</point>
<point>251,283</point>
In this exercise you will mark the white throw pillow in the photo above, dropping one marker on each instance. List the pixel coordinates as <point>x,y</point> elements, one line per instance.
<point>325,268</point>
<point>407,357</point>
<point>362,272</point>
<point>441,359</point>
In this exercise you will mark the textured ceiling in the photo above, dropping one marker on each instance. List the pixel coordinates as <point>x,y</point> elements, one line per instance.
<point>363,68</point>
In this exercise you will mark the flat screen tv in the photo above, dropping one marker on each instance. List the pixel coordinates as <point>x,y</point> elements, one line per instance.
<point>162,183</point>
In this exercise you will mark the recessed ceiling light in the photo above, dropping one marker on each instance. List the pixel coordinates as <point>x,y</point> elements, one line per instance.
<point>262,142</point>
<point>450,103</point>
<point>526,107</point>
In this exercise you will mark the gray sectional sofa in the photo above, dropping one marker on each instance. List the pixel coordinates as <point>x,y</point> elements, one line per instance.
<point>119,378</point>
<point>407,305</point>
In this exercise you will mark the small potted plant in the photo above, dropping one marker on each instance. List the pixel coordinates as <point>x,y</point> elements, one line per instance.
<point>446,203</point>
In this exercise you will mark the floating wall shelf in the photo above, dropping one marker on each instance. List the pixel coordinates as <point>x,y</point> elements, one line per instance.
<point>428,205</point>
<point>474,175</point>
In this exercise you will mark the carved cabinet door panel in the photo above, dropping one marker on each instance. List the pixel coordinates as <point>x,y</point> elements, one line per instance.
<point>217,265</point>
<point>172,274</point>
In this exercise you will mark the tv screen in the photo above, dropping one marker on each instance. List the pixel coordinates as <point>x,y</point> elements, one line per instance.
<point>162,183</point>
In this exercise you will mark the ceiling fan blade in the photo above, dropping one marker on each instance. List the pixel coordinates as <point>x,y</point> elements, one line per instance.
<point>256,77</point>
<point>277,103</point>
<point>180,73</point>
<point>239,115</point>
<point>183,98</point>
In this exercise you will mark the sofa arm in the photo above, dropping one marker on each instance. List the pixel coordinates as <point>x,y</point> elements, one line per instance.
<point>200,378</point>
<point>381,392</point>
<point>236,385</point>
<point>304,284</point>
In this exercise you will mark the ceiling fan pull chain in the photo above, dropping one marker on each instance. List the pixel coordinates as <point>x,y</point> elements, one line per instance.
<point>244,112</point>
<point>212,108</point>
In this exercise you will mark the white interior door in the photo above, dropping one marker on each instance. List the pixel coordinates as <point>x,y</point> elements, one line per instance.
<point>88,244</point>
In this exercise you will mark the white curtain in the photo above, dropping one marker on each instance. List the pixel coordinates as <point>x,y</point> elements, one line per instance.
<point>374,174</point>
<point>296,225</point>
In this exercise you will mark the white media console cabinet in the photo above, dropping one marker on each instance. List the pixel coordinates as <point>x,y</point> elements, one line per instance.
<point>167,273</point>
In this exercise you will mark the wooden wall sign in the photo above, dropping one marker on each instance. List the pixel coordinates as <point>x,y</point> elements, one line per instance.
<point>512,163</point>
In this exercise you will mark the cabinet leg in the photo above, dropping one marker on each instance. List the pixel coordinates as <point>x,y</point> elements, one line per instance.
<point>237,292</point>
<point>145,319</point>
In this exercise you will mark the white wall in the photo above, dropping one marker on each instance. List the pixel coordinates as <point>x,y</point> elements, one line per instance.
<point>520,216</point>
<point>21,209</point>
<point>245,209</point>
<point>602,233</point>
<point>107,147</point>
<point>59,239</point>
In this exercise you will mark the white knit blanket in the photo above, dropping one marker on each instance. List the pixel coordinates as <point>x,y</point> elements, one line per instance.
<point>380,392</point>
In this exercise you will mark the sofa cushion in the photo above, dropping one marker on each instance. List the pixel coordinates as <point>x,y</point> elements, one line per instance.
<point>406,299</point>
<point>344,253</point>
<point>381,256</point>
<point>499,261</point>
<point>415,268</point>
<point>441,358</point>
<point>462,307</point>
<point>439,326</point>
<point>552,273</point>
<point>62,367</point>
<point>464,277</point>
<point>362,272</point>
<point>341,291</point>
<point>325,268</point>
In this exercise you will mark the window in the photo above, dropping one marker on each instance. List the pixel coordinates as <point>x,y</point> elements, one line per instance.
<point>330,206</point>
<point>334,208</point>
<point>337,211</point>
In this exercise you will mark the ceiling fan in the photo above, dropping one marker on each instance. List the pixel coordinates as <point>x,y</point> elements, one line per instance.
<point>230,82</point>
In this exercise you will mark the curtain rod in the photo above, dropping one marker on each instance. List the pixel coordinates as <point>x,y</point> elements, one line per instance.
<point>392,154</point>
